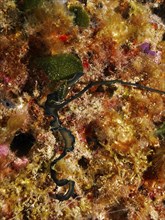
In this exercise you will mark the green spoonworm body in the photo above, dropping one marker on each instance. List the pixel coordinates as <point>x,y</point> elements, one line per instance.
<point>60,66</point>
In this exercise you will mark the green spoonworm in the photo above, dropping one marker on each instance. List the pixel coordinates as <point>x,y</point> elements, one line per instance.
<point>60,66</point>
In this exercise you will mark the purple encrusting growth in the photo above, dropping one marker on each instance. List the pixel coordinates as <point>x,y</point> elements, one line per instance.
<point>145,47</point>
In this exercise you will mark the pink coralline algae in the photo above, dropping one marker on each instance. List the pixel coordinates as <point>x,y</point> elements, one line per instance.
<point>4,150</point>
<point>20,163</point>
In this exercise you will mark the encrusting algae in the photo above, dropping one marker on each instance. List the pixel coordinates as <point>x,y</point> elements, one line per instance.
<point>49,52</point>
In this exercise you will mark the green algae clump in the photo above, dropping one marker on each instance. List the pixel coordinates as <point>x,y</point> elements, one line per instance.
<point>31,4</point>
<point>60,66</point>
<point>81,16</point>
<point>161,131</point>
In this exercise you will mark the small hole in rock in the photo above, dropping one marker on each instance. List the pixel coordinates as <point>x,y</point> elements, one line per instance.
<point>163,37</point>
<point>83,162</point>
<point>159,11</point>
<point>7,103</point>
<point>22,143</point>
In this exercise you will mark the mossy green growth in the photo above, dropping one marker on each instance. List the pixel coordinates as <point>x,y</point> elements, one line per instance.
<point>31,4</point>
<point>81,17</point>
<point>60,66</point>
<point>161,131</point>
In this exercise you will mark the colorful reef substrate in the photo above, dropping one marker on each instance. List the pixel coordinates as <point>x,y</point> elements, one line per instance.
<point>82,110</point>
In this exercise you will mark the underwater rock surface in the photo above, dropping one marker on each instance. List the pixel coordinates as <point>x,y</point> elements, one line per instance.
<point>51,53</point>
